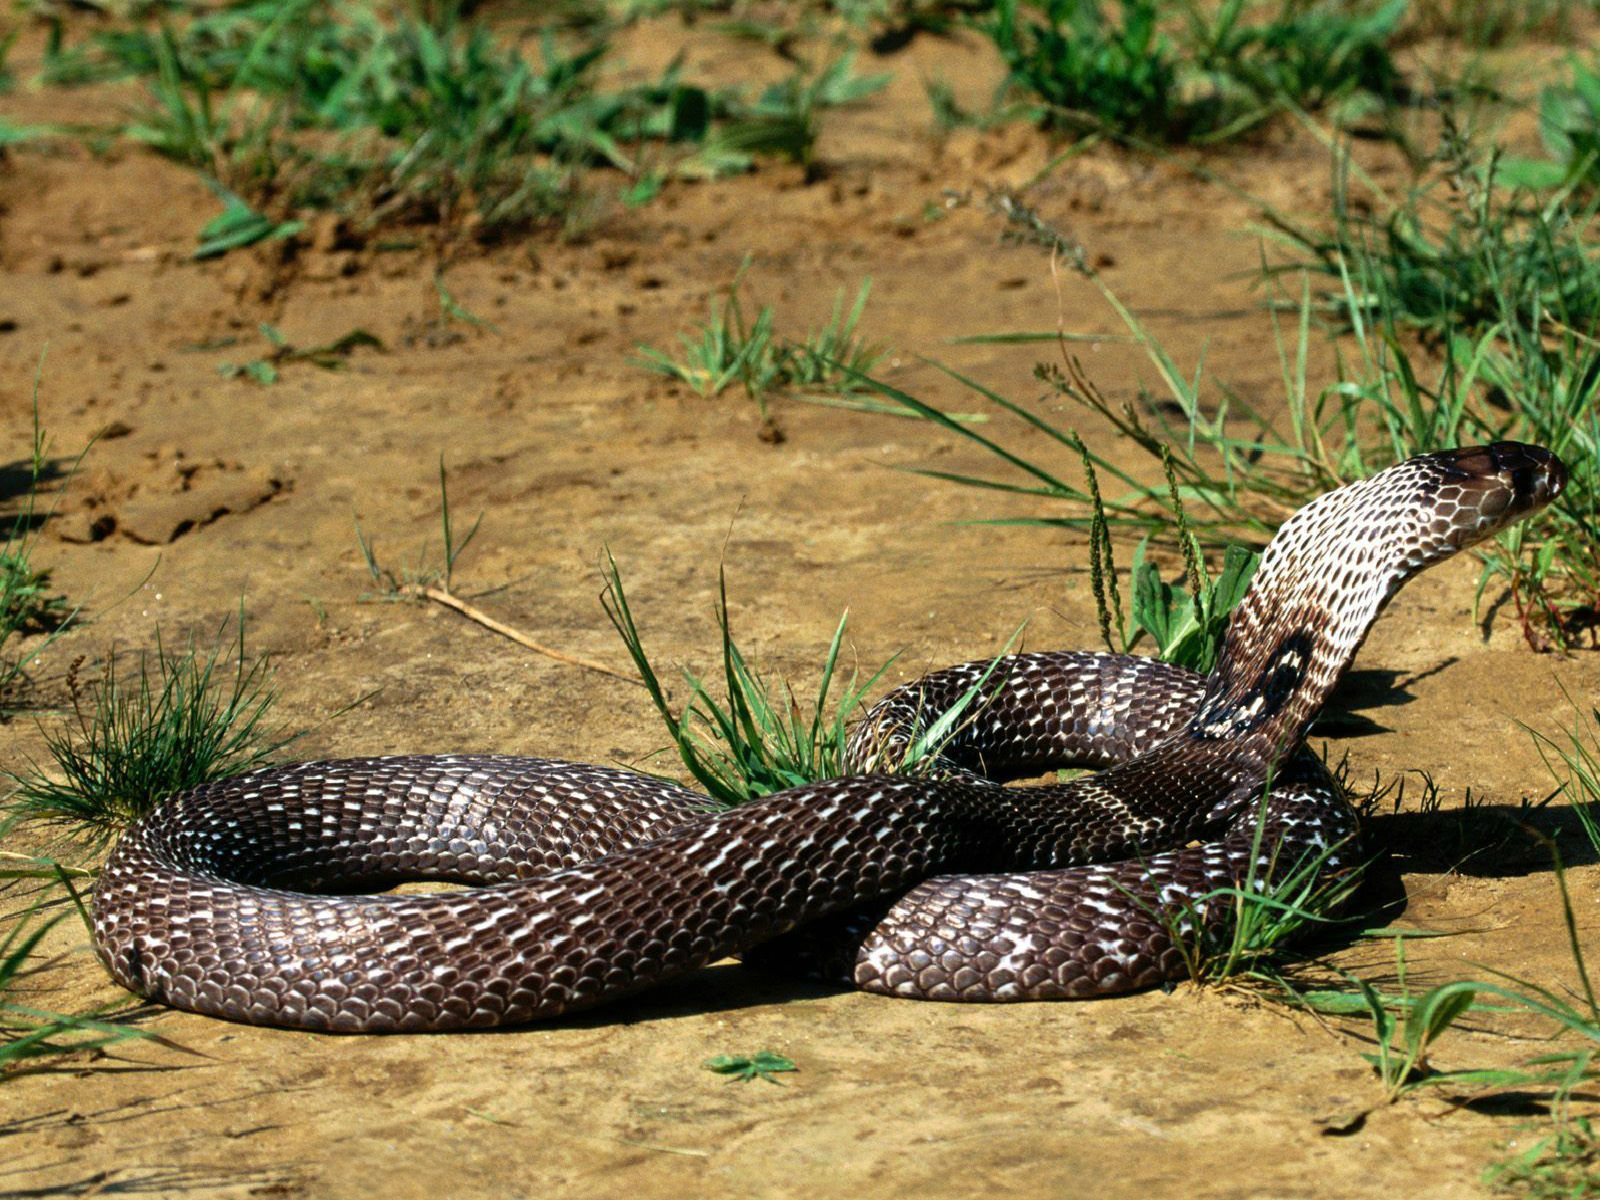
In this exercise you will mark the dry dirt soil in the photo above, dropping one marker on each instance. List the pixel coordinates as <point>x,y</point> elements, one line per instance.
<point>199,493</point>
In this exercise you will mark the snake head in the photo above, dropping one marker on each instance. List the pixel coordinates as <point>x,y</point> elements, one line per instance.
<point>1470,494</point>
<point>1333,566</point>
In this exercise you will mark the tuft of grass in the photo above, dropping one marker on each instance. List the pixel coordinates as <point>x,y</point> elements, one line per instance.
<point>1188,626</point>
<point>309,104</point>
<point>420,115</point>
<point>1545,388</point>
<point>1403,1066</point>
<point>1208,74</point>
<point>1088,72</point>
<point>784,120</point>
<point>1405,1026</point>
<point>176,719</point>
<point>238,225</point>
<point>1303,57</point>
<point>1455,251</point>
<point>28,603</point>
<point>729,348</point>
<point>1563,1165</point>
<point>409,583</point>
<point>830,358</point>
<point>30,1036</point>
<point>761,739</point>
<point>298,105</point>
<point>1245,934</point>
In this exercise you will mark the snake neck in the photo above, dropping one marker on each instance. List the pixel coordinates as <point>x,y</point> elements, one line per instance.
<point>1331,569</point>
<point>1320,586</point>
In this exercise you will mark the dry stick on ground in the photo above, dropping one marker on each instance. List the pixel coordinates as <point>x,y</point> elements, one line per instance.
<point>441,596</point>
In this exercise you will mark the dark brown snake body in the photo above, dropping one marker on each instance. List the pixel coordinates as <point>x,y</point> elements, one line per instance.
<point>599,882</point>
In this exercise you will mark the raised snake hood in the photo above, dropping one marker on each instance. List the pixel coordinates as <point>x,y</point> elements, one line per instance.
<point>1332,567</point>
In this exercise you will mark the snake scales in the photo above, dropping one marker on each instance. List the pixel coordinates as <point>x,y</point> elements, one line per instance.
<point>599,882</point>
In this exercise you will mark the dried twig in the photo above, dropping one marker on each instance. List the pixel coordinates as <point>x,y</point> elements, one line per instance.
<point>440,596</point>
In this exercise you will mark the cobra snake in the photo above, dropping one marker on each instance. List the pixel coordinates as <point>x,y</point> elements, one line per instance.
<point>596,882</point>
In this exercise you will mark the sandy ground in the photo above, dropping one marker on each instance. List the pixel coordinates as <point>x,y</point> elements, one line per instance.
<point>202,491</point>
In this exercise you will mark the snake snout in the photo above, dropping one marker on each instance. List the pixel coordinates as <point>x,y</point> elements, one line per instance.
<point>1530,477</point>
<point>1486,488</point>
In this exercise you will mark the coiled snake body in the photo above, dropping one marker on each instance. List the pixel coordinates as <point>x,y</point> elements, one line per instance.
<point>599,882</point>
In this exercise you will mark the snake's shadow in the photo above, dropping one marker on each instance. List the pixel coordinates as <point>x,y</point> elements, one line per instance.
<point>1345,714</point>
<point>1485,841</point>
<point>719,988</point>
<point>1476,839</point>
<point>1490,841</point>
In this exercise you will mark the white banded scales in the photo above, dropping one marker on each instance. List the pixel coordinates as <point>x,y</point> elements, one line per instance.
<point>596,882</point>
